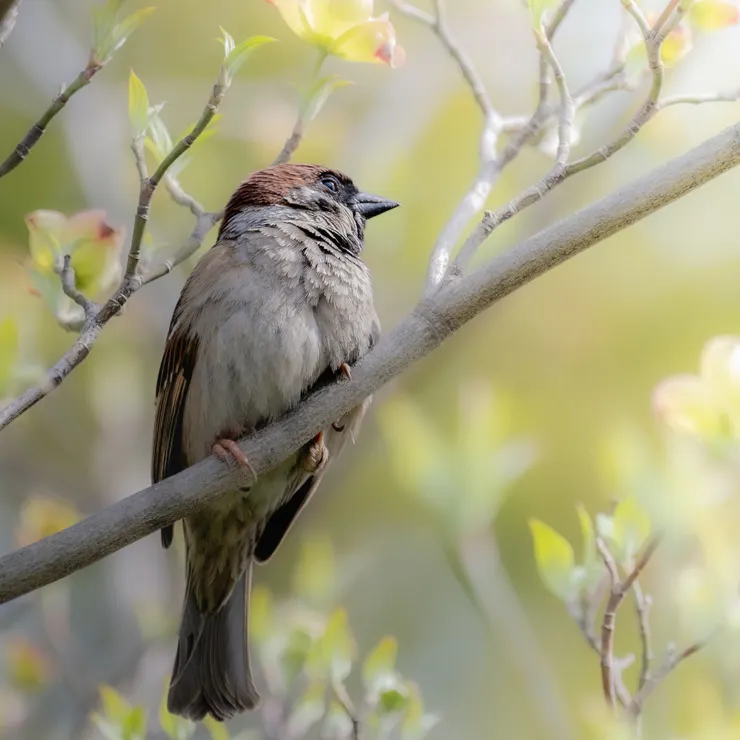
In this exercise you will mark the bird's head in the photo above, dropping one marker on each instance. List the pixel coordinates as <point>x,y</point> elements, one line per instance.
<point>304,191</point>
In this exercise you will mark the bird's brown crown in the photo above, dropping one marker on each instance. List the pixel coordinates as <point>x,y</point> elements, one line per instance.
<point>270,186</point>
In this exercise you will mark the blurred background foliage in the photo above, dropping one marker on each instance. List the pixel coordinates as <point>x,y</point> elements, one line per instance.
<point>543,403</point>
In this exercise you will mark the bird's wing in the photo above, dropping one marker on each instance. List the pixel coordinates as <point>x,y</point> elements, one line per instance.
<point>173,380</point>
<point>281,520</point>
<point>176,370</point>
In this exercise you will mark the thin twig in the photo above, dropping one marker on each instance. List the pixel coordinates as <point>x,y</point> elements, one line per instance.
<point>491,163</point>
<point>132,279</point>
<point>584,615</point>
<point>491,220</point>
<point>340,692</point>
<point>203,224</point>
<point>672,660</point>
<point>413,12</point>
<point>291,143</point>
<point>69,286</point>
<point>664,16</point>
<point>648,109</point>
<point>475,198</point>
<point>728,96</point>
<point>422,331</point>
<point>619,590</point>
<point>607,624</point>
<point>552,178</point>
<point>660,31</point>
<point>545,68</point>
<point>37,130</point>
<point>642,607</point>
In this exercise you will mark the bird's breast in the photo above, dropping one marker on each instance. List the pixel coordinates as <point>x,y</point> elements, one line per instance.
<point>278,324</point>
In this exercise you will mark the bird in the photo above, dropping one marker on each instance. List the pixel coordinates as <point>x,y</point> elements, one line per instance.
<point>280,305</point>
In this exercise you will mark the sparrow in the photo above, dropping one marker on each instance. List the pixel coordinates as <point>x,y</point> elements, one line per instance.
<point>279,306</point>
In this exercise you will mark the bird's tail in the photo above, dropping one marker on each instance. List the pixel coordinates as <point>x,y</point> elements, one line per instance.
<point>211,672</point>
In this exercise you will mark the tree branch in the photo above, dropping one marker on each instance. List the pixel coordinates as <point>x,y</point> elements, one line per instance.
<point>37,130</point>
<point>96,317</point>
<point>8,17</point>
<point>560,172</point>
<point>671,661</point>
<point>478,192</point>
<point>618,591</point>
<point>454,304</point>
<point>132,280</point>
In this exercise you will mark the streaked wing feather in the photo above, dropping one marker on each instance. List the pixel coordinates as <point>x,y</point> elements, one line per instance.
<point>173,380</point>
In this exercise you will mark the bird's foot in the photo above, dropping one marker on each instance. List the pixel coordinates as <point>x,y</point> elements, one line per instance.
<point>314,455</point>
<point>229,453</point>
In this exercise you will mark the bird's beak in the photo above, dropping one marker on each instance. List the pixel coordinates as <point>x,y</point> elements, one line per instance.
<point>372,205</point>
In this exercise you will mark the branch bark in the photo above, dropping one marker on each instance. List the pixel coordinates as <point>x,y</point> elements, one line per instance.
<point>8,17</point>
<point>421,332</point>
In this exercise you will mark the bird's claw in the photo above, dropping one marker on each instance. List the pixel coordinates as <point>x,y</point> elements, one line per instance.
<point>229,452</point>
<point>314,455</point>
<point>345,370</point>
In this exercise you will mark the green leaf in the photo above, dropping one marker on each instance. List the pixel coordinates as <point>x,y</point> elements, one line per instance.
<point>134,726</point>
<point>393,695</point>
<point>104,19</point>
<point>108,730</point>
<point>330,656</point>
<point>109,35</point>
<point>240,53</point>
<point>295,653</point>
<point>9,344</point>
<point>555,560</point>
<point>115,707</point>
<point>380,662</point>
<point>127,26</point>
<point>631,528</point>
<point>537,9</point>
<point>160,143</point>
<point>216,730</point>
<point>308,710</point>
<point>138,104</point>
<point>605,526</point>
<point>318,95</point>
<point>339,645</point>
<point>416,724</point>
<point>49,287</point>
<point>228,42</point>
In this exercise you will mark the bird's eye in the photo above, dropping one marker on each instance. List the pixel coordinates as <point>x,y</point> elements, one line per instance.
<point>331,184</point>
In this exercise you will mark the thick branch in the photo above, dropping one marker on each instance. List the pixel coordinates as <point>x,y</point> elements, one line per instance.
<point>421,332</point>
